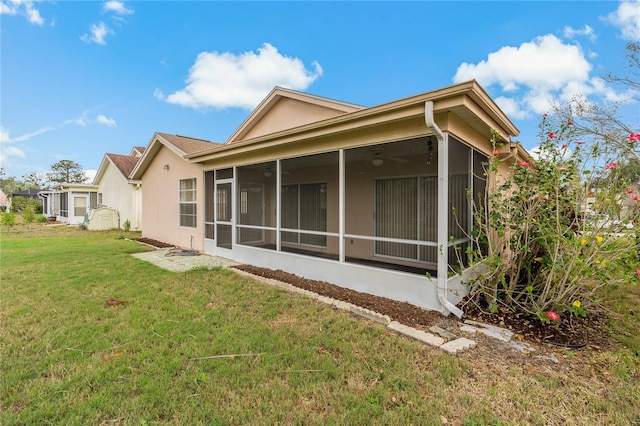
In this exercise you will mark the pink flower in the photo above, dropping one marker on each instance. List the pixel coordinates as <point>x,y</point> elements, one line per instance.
<point>551,135</point>
<point>553,316</point>
<point>569,122</point>
<point>611,166</point>
<point>591,192</point>
<point>636,198</point>
<point>579,143</point>
<point>524,163</point>
<point>629,191</point>
<point>634,137</point>
<point>496,152</point>
<point>638,272</point>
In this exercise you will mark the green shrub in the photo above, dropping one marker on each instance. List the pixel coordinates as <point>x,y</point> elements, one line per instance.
<point>551,232</point>
<point>8,219</point>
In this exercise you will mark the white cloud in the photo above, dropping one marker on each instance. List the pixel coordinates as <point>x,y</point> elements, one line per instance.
<point>224,80</point>
<point>90,175</point>
<point>106,120</point>
<point>627,19</point>
<point>533,74</point>
<point>7,152</point>
<point>22,8</point>
<point>5,136</point>
<point>116,7</point>
<point>587,31</point>
<point>98,33</point>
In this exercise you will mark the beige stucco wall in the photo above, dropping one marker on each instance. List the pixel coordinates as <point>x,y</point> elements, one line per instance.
<point>288,113</point>
<point>122,196</point>
<point>161,197</point>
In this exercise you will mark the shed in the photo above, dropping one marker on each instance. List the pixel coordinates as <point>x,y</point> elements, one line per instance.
<point>103,218</point>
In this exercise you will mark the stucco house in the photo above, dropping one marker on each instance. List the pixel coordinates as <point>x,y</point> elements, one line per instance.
<point>376,199</point>
<point>69,202</point>
<point>116,191</point>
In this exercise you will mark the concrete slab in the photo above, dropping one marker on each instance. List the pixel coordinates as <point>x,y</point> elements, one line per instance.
<point>459,345</point>
<point>422,336</point>
<point>445,334</point>
<point>164,259</point>
<point>499,333</point>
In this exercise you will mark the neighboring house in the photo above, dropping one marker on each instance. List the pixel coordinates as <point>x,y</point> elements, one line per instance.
<point>27,193</point>
<point>4,201</point>
<point>117,191</point>
<point>372,199</point>
<point>167,178</point>
<point>69,202</point>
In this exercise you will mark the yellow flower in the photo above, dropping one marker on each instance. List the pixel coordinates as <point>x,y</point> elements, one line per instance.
<point>538,259</point>
<point>597,261</point>
<point>583,241</point>
<point>599,238</point>
<point>577,303</point>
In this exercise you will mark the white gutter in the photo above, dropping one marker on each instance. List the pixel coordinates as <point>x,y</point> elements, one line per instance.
<point>443,209</point>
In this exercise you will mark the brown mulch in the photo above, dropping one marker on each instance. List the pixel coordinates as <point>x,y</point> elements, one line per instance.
<point>404,313</point>
<point>570,333</point>
<point>154,243</point>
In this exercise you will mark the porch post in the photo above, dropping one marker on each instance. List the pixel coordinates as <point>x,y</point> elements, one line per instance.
<point>278,215</point>
<point>443,209</point>
<point>341,185</point>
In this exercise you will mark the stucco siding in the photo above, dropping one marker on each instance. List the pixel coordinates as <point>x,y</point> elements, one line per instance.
<point>289,113</point>
<point>120,195</point>
<point>160,201</point>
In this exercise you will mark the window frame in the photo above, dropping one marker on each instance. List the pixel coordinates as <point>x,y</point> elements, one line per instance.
<point>185,201</point>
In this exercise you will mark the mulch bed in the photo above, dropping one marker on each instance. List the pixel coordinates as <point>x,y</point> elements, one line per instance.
<point>404,313</point>
<point>154,243</point>
<point>571,332</point>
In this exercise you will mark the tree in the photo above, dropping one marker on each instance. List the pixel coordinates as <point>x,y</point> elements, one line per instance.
<point>602,125</point>
<point>66,171</point>
<point>33,180</point>
<point>20,204</point>
<point>10,184</point>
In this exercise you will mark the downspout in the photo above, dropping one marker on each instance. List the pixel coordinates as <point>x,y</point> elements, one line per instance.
<point>443,210</point>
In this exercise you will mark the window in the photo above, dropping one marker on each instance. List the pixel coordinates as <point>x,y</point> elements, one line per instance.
<point>99,200</point>
<point>304,207</point>
<point>188,203</point>
<point>79,206</point>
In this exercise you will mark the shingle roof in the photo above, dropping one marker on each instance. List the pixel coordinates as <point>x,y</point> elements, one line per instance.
<point>124,163</point>
<point>186,144</point>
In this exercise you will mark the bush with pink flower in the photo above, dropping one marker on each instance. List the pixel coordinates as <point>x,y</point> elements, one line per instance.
<point>555,231</point>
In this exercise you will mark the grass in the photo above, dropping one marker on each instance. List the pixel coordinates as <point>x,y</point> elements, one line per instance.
<point>167,355</point>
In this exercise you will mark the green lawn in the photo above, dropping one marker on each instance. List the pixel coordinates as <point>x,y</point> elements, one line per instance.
<point>165,357</point>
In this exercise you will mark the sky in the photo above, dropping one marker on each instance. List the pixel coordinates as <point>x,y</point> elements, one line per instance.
<point>79,79</point>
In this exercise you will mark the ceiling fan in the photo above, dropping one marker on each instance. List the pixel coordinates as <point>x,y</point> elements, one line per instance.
<point>379,156</point>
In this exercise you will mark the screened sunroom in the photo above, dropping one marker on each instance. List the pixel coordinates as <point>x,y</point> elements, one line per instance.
<point>383,207</point>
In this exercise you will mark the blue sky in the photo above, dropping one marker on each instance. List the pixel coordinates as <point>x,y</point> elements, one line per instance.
<point>80,79</point>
